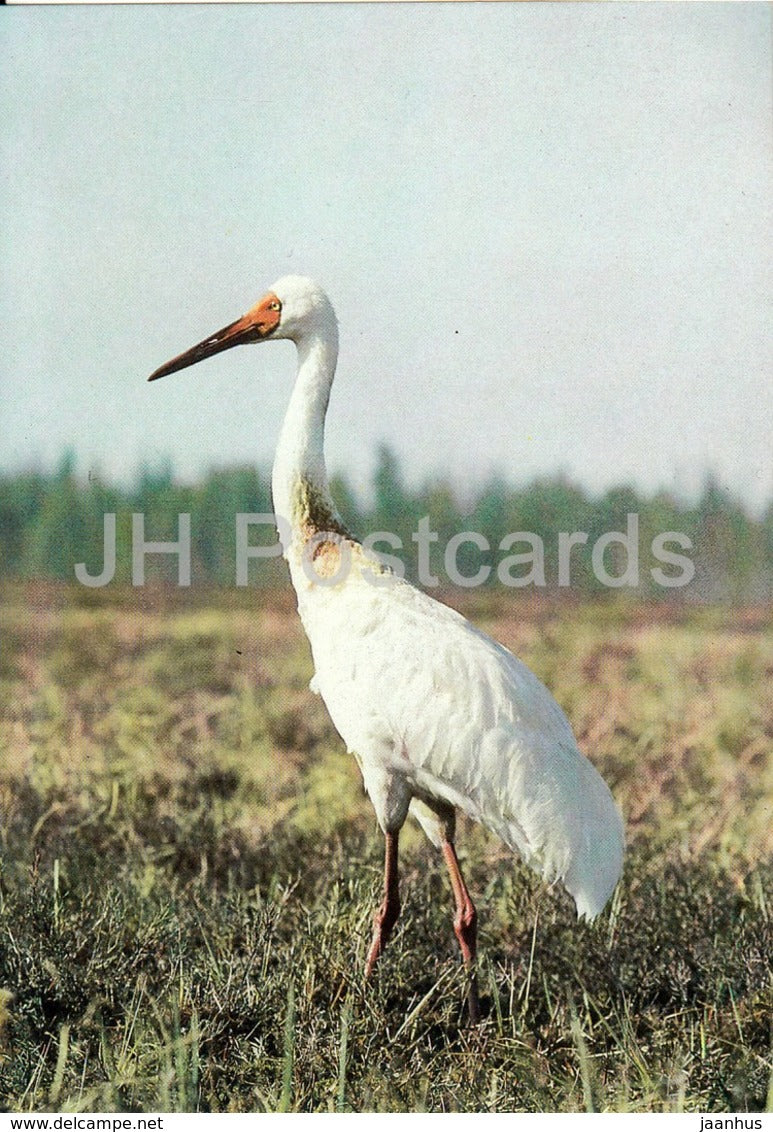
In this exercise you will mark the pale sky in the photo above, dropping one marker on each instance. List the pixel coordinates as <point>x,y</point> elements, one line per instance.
<point>545,229</point>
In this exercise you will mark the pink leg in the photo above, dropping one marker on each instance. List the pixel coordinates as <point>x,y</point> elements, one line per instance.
<point>465,926</point>
<point>386,916</point>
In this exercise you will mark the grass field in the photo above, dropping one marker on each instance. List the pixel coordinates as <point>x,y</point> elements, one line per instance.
<point>189,871</point>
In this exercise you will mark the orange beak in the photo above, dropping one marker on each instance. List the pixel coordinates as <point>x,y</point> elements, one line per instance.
<point>260,321</point>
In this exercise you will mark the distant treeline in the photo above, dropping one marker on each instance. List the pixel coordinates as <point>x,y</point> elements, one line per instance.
<point>50,522</point>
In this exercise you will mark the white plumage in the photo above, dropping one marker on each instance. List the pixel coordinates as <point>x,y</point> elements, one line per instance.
<point>439,716</point>
<point>417,692</point>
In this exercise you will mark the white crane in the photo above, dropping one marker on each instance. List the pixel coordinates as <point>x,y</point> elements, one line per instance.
<point>439,716</point>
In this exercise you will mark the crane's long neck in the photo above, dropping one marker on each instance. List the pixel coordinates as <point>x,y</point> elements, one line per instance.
<point>299,481</point>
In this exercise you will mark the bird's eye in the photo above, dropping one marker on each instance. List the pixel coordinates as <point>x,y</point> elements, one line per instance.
<point>275,305</point>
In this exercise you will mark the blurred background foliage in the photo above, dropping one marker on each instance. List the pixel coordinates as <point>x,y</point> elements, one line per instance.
<point>51,521</point>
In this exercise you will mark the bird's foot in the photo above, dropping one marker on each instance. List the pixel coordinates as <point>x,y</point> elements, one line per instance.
<point>383,922</point>
<point>473,1001</point>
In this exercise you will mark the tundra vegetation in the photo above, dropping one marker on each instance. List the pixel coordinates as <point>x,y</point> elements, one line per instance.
<point>189,867</point>
<point>189,871</point>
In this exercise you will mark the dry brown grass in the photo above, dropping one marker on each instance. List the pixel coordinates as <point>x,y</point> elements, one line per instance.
<point>184,839</point>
